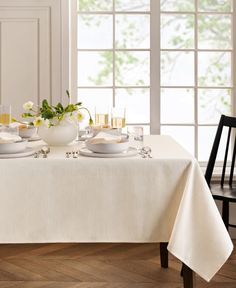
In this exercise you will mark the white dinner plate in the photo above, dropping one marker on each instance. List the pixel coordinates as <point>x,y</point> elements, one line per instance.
<point>16,147</point>
<point>128,153</point>
<point>27,152</point>
<point>33,138</point>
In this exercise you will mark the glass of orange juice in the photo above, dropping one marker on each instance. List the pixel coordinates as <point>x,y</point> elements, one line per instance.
<point>5,114</point>
<point>118,117</point>
<point>102,117</point>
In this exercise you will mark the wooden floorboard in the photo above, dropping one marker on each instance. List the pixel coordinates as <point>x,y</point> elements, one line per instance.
<point>97,266</point>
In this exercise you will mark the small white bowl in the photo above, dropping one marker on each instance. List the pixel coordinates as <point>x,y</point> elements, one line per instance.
<point>16,147</point>
<point>108,148</point>
<point>27,132</point>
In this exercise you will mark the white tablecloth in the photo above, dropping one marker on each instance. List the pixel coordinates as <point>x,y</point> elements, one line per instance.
<point>164,199</point>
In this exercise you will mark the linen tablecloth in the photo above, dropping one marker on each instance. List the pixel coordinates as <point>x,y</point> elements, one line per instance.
<point>163,199</point>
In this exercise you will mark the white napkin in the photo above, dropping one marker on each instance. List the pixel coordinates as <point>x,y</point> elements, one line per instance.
<point>103,137</point>
<point>6,137</point>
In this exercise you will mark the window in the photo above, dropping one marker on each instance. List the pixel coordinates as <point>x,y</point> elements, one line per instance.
<point>169,62</point>
<point>114,56</point>
<point>196,70</point>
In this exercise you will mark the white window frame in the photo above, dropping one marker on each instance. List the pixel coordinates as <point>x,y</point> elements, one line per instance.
<point>114,50</point>
<point>195,87</point>
<point>155,87</point>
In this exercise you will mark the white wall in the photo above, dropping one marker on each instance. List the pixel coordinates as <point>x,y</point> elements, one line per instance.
<point>34,51</point>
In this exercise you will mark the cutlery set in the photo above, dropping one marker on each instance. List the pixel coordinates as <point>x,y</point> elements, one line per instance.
<point>144,152</point>
<point>73,154</point>
<point>44,151</point>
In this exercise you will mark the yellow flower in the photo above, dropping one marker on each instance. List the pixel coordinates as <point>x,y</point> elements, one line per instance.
<point>28,105</point>
<point>38,121</point>
<point>80,117</point>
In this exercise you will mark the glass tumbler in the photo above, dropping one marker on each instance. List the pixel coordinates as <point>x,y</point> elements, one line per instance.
<point>135,135</point>
<point>5,115</point>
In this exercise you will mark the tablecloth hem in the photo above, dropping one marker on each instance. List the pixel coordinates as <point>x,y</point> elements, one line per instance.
<point>206,277</point>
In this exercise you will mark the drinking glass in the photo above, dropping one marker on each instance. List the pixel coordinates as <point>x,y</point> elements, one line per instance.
<point>5,114</point>
<point>102,117</point>
<point>135,135</point>
<point>118,117</point>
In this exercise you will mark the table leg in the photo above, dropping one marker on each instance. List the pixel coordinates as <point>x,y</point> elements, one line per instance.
<point>188,277</point>
<point>164,254</point>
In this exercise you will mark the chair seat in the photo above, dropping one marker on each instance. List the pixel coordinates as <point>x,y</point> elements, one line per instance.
<point>225,193</point>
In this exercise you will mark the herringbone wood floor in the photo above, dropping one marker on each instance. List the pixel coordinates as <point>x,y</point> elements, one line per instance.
<point>97,266</point>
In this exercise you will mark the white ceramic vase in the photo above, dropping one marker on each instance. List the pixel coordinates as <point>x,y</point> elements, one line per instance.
<point>59,135</point>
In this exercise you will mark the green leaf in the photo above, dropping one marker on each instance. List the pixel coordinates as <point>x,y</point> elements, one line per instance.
<point>71,108</point>
<point>47,114</point>
<point>45,104</point>
<point>25,115</point>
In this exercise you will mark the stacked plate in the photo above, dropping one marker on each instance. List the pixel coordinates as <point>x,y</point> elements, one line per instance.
<point>12,146</point>
<point>28,132</point>
<point>108,146</point>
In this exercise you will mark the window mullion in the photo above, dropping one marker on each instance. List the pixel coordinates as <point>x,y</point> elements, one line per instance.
<point>196,80</point>
<point>155,104</point>
<point>113,52</point>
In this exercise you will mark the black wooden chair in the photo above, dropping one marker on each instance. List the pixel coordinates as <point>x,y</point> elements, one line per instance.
<point>225,190</point>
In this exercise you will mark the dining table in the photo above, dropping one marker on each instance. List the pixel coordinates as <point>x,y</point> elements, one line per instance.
<point>163,198</point>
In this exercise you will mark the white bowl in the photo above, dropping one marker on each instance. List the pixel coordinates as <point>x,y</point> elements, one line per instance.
<point>16,147</point>
<point>108,148</point>
<point>27,132</point>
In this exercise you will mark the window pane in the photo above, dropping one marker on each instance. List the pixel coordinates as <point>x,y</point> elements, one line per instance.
<point>95,68</point>
<point>177,5</point>
<point>183,135</point>
<point>132,68</point>
<point>214,69</point>
<point>177,105</point>
<point>132,31</point>
<point>91,98</point>
<point>177,68</point>
<point>94,31</point>
<point>137,103</point>
<point>95,5</point>
<point>214,32</point>
<point>215,5</point>
<point>177,31</point>
<point>206,138</point>
<point>212,103</point>
<point>131,5</point>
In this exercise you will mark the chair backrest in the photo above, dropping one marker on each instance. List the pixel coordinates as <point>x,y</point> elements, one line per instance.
<point>230,122</point>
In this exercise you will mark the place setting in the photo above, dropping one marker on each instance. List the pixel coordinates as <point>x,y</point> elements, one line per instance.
<point>14,136</point>
<point>107,140</point>
<point>105,145</point>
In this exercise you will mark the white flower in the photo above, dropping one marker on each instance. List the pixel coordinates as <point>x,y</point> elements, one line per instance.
<point>38,121</point>
<point>28,105</point>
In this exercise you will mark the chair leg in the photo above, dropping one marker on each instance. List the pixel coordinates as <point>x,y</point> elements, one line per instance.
<point>164,254</point>
<point>188,277</point>
<point>182,271</point>
<point>225,213</point>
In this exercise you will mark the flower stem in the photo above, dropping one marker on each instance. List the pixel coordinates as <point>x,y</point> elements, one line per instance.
<point>90,117</point>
